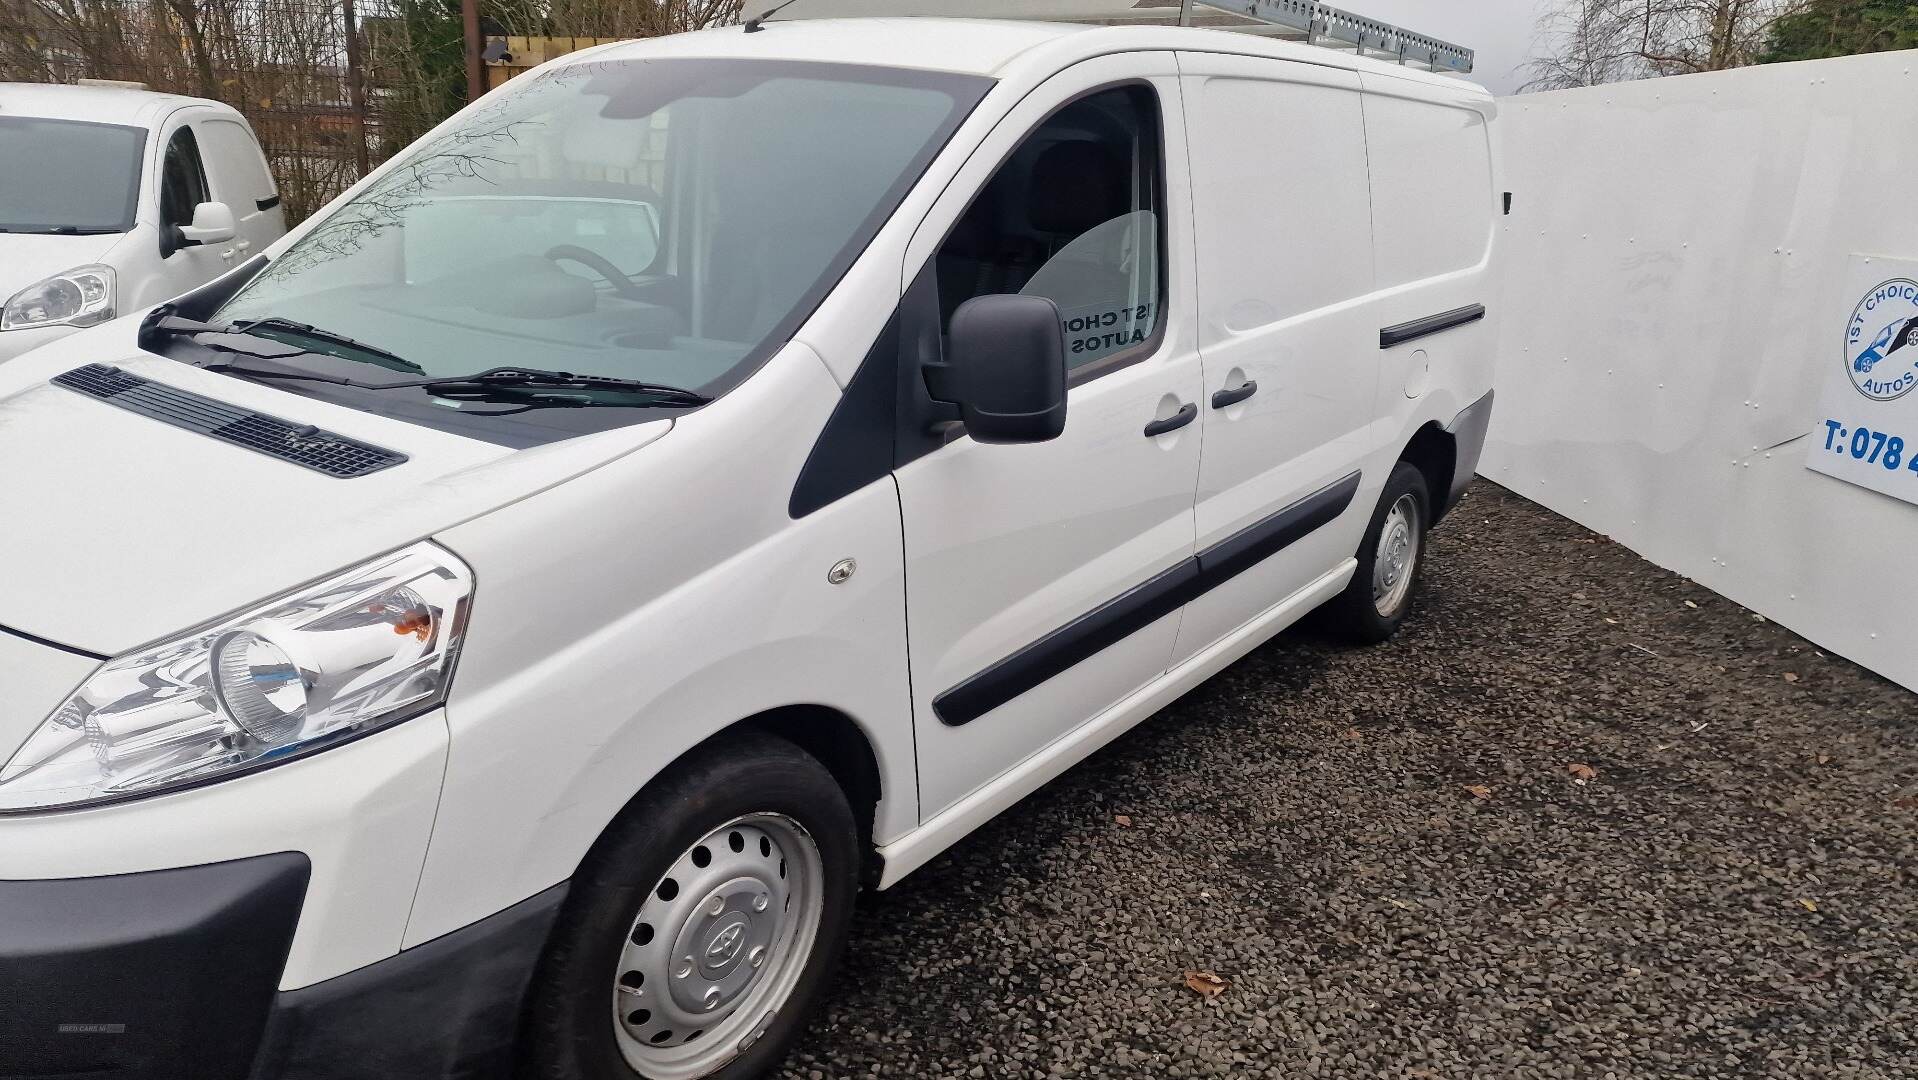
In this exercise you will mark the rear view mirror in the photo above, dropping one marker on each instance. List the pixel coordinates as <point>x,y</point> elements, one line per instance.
<point>1006,368</point>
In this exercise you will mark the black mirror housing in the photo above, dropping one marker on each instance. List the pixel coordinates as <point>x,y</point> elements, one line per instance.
<point>1006,357</point>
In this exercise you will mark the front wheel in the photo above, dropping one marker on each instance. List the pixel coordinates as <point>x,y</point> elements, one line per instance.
<point>704,927</point>
<point>1375,603</point>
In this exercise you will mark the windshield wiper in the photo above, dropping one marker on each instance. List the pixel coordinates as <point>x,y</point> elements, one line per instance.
<point>168,325</point>
<point>308,330</point>
<point>500,385</point>
<point>60,230</point>
<point>514,380</point>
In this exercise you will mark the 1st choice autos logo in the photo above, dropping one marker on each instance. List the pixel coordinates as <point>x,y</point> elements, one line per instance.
<point>1885,366</point>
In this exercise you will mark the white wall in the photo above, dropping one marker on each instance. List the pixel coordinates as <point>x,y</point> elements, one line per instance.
<point>1674,265</point>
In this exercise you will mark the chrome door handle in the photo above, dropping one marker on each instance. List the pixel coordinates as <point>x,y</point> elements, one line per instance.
<point>1235,395</point>
<point>1186,414</point>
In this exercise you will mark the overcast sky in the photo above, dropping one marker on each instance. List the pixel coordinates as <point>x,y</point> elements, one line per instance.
<point>1499,30</point>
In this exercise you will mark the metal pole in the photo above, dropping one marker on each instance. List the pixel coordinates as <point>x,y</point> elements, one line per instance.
<point>1185,12</point>
<point>475,71</point>
<point>355,86</point>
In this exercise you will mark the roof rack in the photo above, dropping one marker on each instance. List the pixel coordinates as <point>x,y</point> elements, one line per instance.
<point>1322,24</point>
<point>1304,21</point>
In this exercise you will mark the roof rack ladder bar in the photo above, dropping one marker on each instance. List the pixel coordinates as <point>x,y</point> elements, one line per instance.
<point>1325,25</point>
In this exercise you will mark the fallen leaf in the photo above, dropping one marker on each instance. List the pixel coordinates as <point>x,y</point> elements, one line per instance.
<point>1808,905</point>
<point>1353,734</point>
<point>1582,770</point>
<point>1205,983</point>
<point>1791,676</point>
<point>1122,819</point>
<point>1689,604</point>
<point>1611,620</point>
<point>1479,791</point>
<point>1823,758</point>
<point>1402,905</point>
<point>1909,802</point>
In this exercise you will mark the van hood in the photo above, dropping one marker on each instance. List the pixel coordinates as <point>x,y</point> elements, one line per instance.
<point>28,257</point>
<point>119,529</point>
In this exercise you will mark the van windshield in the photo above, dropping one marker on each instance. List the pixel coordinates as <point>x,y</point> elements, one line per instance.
<point>67,176</point>
<point>667,220</point>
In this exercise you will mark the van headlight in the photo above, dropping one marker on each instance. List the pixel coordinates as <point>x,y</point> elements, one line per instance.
<point>81,296</point>
<point>299,673</point>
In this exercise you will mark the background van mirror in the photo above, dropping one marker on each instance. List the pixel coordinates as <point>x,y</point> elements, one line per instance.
<point>212,224</point>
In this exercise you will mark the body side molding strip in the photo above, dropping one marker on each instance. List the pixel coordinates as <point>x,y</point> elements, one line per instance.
<point>1141,605</point>
<point>1431,324</point>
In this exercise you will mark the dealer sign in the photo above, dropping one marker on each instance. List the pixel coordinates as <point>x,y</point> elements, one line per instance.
<point>1867,432</point>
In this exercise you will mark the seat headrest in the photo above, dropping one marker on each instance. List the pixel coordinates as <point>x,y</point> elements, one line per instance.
<point>1075,186</point>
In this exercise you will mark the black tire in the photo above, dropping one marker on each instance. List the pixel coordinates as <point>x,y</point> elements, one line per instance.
<point>568,1029</point>
<point>1353,616</point>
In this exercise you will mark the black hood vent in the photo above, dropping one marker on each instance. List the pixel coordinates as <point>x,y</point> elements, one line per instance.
<point>301,444</point>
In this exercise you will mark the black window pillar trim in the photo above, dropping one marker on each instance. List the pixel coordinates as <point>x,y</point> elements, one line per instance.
<point>1143,604</point>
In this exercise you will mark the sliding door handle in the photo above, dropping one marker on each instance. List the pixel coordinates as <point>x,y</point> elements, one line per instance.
<point>1235,395</point>
<point>1186,414</point>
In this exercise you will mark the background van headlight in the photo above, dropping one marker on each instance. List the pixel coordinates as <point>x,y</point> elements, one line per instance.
<point>299,673</point>
<point>81,296</point>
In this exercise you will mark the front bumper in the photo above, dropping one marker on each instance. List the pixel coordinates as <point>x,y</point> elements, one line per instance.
<point>162,975</point>
<point>171,974</point>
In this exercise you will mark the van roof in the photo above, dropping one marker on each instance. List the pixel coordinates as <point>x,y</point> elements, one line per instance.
<point>984,46</point>
<point>97,104</point>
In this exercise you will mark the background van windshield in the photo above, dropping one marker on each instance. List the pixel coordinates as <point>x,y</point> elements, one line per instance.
<point>664,220</point>
<point>61,175</point>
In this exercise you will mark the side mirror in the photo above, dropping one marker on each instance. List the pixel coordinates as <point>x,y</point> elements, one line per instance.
<point>1006,368</point>
<point>212,224</point>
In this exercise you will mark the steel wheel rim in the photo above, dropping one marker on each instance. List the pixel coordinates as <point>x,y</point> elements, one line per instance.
<point>717,947</point>
<point>1397,556</point>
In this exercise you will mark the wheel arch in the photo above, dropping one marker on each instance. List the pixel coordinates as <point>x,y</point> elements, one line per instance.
<point>843,747</point>
<point>1433,451</point>
<point>829,735</point>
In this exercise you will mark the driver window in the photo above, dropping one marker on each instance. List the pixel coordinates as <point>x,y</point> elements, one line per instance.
<point>1074,215</point>
<point>182,179</point>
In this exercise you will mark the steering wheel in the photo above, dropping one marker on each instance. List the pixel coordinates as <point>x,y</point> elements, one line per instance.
<point>598,264</point>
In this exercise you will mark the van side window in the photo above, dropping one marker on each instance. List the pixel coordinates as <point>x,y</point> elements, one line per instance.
<point>1431,188</point>
<point>182,179</point>
<point>1075,216</point>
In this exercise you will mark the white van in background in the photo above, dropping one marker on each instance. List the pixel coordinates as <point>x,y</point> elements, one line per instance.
<point>503,624</point>
<point>114,199</point>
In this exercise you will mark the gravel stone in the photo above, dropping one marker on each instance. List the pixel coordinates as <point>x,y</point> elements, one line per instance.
<point>1301,826</point>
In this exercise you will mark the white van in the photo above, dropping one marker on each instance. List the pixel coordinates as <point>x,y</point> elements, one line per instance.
<point>114,199</point>
<point>502,625</point>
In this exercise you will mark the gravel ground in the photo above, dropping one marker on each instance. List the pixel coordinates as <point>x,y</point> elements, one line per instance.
<point>1729,895</point>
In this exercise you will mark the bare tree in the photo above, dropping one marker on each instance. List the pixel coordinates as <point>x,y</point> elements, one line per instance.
<point>1589,42</point>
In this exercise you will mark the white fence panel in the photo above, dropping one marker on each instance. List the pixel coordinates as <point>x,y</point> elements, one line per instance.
<point>1673,311</point>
